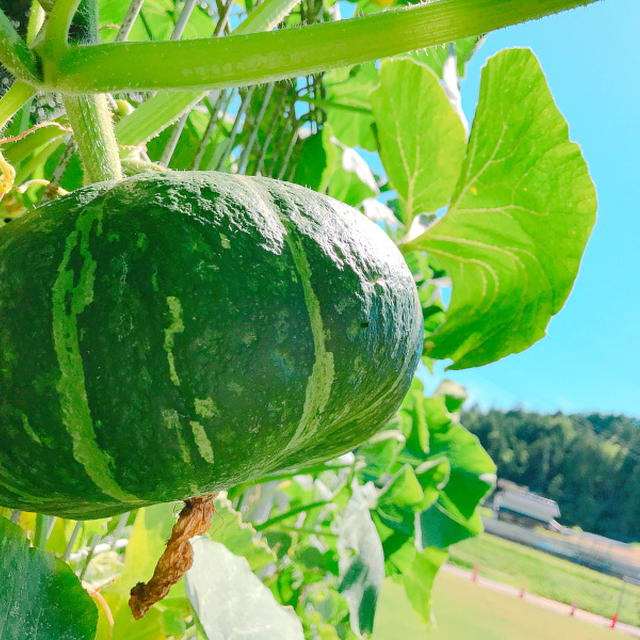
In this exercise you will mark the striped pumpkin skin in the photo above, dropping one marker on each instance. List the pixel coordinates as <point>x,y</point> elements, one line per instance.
<point>178,333</point>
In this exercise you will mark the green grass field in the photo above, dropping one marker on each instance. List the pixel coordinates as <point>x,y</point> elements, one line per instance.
<point>467,611</point>
<point>548,576</point>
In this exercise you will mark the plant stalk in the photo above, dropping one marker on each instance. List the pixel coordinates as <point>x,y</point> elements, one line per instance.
<point>89,115</point>
<point>58,25</point>
<point>44,525</point>
<point>289,514</point>
<point>90,120</point>
<point>240,60</point>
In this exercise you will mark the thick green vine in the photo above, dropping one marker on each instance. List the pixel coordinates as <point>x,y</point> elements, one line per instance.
<point>263,57</point>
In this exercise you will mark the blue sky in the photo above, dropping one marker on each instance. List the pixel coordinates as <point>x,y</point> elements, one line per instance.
<point>590,359</point>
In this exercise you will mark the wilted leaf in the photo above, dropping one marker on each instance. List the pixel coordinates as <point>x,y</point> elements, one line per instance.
<point>151,530</point>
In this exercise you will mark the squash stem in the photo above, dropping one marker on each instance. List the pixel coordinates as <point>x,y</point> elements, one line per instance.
<point>92,126</point>
<point>89,115</point>
<point>163,109</point>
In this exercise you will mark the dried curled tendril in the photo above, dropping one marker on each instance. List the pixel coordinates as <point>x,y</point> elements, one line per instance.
<point>194,520</point>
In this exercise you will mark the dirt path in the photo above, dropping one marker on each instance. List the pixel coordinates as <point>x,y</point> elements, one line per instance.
<point>553,605</point>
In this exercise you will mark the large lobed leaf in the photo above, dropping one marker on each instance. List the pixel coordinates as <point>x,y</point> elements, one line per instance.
<point>40,597</point>
<point>519,219</point>
<point>421,138</point>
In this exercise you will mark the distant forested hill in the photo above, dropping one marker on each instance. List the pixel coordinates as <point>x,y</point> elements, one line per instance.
<point>589,464</point>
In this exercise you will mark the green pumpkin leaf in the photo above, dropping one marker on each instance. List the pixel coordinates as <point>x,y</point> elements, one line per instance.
<point>239,537</point>
<point>454,394</point>
<point>519,219</point>
<point>398,502</point>
<point>40,597</point>
<point>361,562</point>
<point>351,120</point>
<point>472,472</point>
<point>453,516</point>
<point>418,580</point>
<point>441,525</point>
<point>398,546</point>
<point>352,180</point>
<point>452,468</point>
<point>403,490</point>
<point>422,140</point>
<point>317,161</point>
<point>379,453</point>
<point>231,601</point>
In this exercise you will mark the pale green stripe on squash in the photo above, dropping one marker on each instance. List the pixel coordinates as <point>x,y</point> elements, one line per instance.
<point>320,381</point>
<point>172,420</point>
<point>205,407</point>
<point>28,429</point>
<point>176,326</point>
<point>75,412</point>
<point>203,442</point>
<point>322,374</point>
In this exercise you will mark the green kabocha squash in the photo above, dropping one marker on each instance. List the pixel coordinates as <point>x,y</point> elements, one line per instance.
<point>173,334</point>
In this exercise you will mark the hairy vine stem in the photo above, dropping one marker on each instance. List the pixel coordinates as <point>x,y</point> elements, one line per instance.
<point>165,108</point>
<point>58,25</point>
<point>241,60</point>
<point>92,126</point>
<point>89,115</point>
